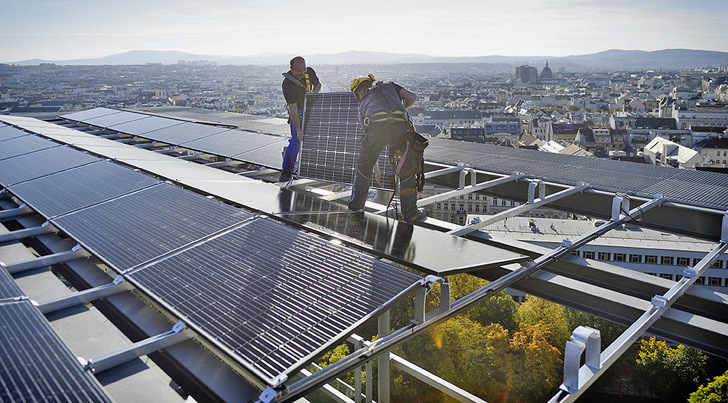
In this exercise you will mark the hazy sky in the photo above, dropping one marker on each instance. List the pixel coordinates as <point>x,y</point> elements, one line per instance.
<point>68,29</point>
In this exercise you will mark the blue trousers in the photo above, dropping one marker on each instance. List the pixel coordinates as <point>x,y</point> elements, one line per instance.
<point>289,158</point>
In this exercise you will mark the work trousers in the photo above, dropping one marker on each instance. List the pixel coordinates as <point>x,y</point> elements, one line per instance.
<point>376,137</point>
<point>291,154</point>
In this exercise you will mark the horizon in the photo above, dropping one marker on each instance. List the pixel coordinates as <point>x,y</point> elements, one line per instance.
<point>466,28</point>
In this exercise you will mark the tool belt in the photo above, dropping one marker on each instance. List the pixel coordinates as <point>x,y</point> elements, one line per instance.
<point>396,116</point>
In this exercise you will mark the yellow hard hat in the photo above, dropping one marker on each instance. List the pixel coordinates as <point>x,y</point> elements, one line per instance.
<point>357,81</point>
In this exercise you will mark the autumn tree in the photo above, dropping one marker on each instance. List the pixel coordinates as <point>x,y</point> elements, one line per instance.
<point>714,392</point>
<point>537,365</point>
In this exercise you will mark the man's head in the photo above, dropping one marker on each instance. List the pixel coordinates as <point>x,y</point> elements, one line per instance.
<point>360,85</point>
<point>298,67</point>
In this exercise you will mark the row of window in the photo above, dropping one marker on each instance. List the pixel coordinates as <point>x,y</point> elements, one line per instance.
<point>648,259</point>
<point>714,281</point>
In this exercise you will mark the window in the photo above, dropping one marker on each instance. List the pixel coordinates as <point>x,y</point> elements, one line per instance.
<point>666,260</point>
<point>604,255</point>
<point>477,208</point>
<point>666,275</point>
<point>503,202</point>
<point>495,202</point>
<point>575,252</point>
<point>683,261</point>
<point>635,258</point>
<point>700,280</point>
<point>620,257</point>
<point>461,208</point>
<point>715,281</point>
<point>651,259</point>
<point>470,208</point>
<point>696,261</point>
<point>718,264</point>
<point>588,254</point>
<point>439,206</point>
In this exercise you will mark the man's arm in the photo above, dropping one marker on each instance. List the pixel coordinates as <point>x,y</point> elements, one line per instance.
<point>317,88</point>
<point>408,97</point>
<point>295,119</point>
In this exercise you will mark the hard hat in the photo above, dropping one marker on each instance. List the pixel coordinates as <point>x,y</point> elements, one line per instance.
<point>357,81</point>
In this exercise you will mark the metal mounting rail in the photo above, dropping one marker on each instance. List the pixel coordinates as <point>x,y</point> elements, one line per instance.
<point>473,187</point>
<point>61,257</point>
<point>45,228</point>
<point>578,379</point>
<point>147,346</point>
<point>11,214</point>
<point>384,344</point>
<point>119,285</point>
<point>533,203</point>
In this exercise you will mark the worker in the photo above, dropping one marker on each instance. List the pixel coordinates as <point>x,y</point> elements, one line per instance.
<point>298,81</point>
<point>384,119</point>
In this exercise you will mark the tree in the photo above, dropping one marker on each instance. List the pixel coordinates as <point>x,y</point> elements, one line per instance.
<point>534,310</point>
<point>669,374</point>
<point>537,365</point>
<point>714,392</point>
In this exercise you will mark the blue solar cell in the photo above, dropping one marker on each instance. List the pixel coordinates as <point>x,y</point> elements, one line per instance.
<point>44,162</point>
<point>271,296</point>
<point>143,225</point>
<point>35,365</point>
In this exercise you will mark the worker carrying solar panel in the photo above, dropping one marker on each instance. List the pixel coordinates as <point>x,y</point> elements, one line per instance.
<point>384,119</point>
<point>297,82</point>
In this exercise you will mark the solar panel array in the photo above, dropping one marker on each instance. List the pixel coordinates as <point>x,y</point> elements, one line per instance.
<point>272,297</point>
<point>269,296</point>
<point>225,141</point>
<point>35,365</point>
<point>681,185</point>
<point>332,136</point>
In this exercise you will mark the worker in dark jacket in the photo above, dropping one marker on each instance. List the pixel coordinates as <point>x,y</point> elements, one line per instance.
<point>384,119</point>
<point>297,82</point>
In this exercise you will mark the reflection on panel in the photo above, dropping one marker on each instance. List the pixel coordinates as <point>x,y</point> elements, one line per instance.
<point>36,164</point>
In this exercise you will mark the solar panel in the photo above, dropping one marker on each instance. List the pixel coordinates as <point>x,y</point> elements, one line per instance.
<point>184,133</point>
<point>143,225</point>
<point>263,149</point>
<point>270,296</point>
<point>23,145</point>
<point>145,125</point>
<point>35,365</point>
<point>40,163</point>
<point>69,190</point>
<point>8,287</point>
<point>89,114</point>
<point>9,132</point>
<point>332,135</point>
<point>616,176</point>
<point>113,119</point>
<point>226,144</point>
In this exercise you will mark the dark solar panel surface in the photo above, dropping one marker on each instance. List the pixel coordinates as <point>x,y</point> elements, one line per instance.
<point>113,119</point>
<point>8,288</point>
<point>272,296</point>
<point>10,132</point>
<point>35,365</point>
<point>262,149</point>
<point>143,225</point>
<point>699,188</point>
<point>145,125</point>
<point>226,144</point>
<point>89,114</point>
<point>331,139</point>
<point>79,187</point>
<point>23,145</point>
<point>184,133</point>
<point>40,163</point>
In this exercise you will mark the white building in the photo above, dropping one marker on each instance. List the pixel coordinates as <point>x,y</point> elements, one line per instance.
<point>661,151</point>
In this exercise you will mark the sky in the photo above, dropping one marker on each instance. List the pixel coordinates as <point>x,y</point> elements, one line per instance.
<point>66,29</point>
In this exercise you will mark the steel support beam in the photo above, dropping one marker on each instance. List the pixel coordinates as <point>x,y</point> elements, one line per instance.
<point>45,228</point>
<point>133,351</point>
<point>472,188</point>
<point>82,297</point>
<point>11,214</point>
<point>520,209</point>
<point>61,257</point>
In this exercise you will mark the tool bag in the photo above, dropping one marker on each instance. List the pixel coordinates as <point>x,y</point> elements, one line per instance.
<point>412,159</point>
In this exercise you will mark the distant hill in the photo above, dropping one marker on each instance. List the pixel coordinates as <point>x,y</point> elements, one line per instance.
<point>615,59</point>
